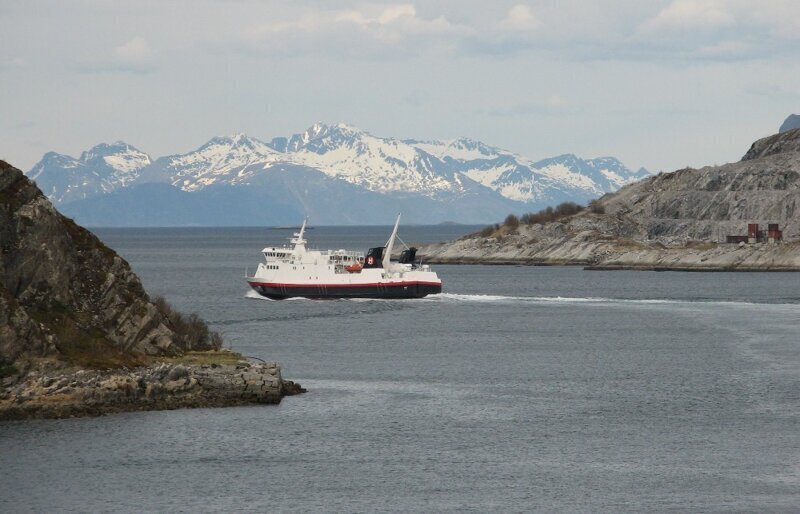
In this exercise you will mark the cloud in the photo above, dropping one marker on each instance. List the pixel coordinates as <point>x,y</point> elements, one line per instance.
<point>703,15</point>
<point>675,31</point>
<point>367,31</point>
<point>719,30</point>
<point>519,18</point>
<point>132,56</point>
<point>135,53</point>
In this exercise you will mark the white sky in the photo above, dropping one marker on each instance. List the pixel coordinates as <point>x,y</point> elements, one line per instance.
<point>661,84</point>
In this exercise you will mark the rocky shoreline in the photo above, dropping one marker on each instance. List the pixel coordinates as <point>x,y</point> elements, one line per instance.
<point>592,254</point>
<point>64,393</point>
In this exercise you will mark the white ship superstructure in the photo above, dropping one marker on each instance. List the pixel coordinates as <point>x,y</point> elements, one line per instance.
<point>294,270</point>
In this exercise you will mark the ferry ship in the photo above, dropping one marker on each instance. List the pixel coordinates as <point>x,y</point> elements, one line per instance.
<point>292,271</point>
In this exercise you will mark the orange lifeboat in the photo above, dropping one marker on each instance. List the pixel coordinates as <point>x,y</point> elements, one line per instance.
<point>353,268</point>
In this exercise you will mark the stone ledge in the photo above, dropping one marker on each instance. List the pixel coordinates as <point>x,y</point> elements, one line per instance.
<point>157,387</point>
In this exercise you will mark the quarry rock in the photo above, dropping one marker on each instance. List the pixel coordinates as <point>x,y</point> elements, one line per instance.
<point>676,220</point>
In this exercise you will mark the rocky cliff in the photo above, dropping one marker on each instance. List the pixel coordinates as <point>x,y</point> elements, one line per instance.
<point>68,302</point>
<point>673,220</point>
<point>64,293</point>
<point>791,122</point>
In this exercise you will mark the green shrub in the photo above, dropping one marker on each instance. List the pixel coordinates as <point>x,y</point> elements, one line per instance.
<point>192,330</point>
<point>549,214</point>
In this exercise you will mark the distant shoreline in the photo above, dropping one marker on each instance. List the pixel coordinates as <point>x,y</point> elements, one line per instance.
<point>612,256</point>
<point>609,267</point>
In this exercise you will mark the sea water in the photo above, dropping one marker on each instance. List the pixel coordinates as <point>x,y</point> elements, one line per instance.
<point>517,389</point>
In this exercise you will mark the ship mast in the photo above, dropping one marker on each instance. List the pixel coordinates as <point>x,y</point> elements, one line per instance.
<point>298,241</point>
<point>387,256</point>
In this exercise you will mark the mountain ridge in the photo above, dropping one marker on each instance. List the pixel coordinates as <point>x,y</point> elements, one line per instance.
<point>448,172</point>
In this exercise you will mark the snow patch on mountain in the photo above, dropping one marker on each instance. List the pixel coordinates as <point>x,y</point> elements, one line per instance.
<point>463,149</point>
<point>378,164</point>
<point>101,169</point>
<point>229,160</point>
<point>560,172</point>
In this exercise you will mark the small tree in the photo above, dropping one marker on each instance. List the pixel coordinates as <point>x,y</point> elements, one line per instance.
<point>511,221</point>
<point>567,209</point>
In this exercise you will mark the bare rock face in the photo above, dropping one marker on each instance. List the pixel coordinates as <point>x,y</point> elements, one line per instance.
<point>65,294</point>
<point>712,202</point>
<point>785,141</point>
<point>790,123</point>
<point>659,222</point>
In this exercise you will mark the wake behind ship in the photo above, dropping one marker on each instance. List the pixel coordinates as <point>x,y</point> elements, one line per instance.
<point>295,271</point>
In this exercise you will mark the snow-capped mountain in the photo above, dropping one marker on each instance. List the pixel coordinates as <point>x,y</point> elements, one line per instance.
<point>378,164</point>
<point>102,169</point>
<point>462,149</point>
<point>223,160</point>
<point>599,176</point>
<point>460,180</point>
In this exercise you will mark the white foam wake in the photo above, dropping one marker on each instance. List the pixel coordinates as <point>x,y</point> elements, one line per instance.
<point>252,295</point>
<point>484,298</point>
<point>595,300</point>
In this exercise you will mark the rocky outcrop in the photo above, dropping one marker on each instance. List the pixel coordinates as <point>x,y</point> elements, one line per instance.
<point>673,220</point>
<point>784,142</point>
<point>790,123</point>
<point>69,305</point>
<point>64,292</point>
<point>59,393</point>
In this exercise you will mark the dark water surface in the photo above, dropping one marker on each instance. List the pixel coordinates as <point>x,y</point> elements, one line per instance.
<point>518,389</point>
